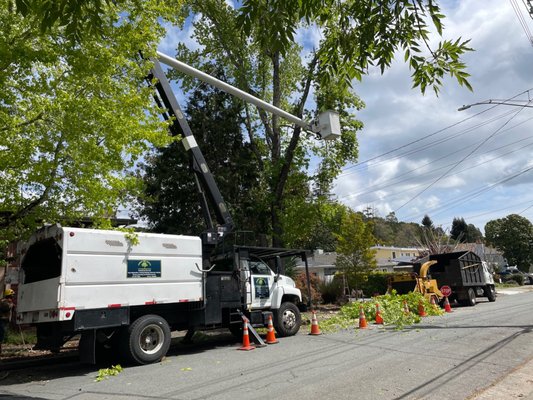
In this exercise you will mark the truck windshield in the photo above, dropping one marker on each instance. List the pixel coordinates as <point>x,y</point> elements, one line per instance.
<point>259,268</point>
<point>42,261</point>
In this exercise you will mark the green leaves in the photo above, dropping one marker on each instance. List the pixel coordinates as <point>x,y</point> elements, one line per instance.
<point>105,373</point>
<point>75,115</point>
<point>391,307</point>
<point>514,236</point>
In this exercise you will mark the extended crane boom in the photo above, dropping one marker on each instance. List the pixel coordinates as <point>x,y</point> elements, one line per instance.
<point>207,187</point>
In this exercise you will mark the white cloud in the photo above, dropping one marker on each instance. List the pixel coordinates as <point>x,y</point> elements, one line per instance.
<point>397,115</point>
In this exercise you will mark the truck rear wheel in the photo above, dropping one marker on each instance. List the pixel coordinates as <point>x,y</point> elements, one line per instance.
<point>471,301</point>
<point>147,339</point>
<point>287,319</point>
<point>490,292</point>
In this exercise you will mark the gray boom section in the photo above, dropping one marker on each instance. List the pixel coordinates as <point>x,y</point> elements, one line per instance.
<point>206,182</point>
<point>187,69</point>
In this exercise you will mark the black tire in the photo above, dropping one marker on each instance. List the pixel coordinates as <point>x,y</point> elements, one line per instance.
<point>490,293</point>
<point>471,301</point>
<point>147,339</point>
<point>287,319</point>
<point>106,345</point>
<point>236,330</point>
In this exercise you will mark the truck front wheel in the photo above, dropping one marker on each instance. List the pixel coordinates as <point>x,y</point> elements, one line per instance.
<point>147,339</point>
<point>287,319</point>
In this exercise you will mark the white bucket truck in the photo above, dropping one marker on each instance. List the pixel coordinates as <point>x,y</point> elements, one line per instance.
<point>130,297</point>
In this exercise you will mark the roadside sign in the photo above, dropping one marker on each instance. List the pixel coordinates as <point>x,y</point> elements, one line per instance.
<point>446,290</point>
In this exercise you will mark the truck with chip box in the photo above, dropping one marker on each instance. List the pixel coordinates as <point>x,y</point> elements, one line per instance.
<point>126,294</point>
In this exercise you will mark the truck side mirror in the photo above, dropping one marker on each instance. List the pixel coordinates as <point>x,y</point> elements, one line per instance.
<point>279,267</point>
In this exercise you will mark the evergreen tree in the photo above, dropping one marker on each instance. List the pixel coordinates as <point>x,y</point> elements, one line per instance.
<point>459,230</point>
<point>465,233</point>
<point>427,222</point>
<point>170,202</point>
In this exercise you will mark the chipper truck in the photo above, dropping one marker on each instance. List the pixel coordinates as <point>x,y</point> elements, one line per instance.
<point>463,272</point>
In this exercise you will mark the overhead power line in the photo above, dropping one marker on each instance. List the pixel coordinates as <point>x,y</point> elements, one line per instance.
<point>458,163</point>
<point>394,181</point>
<point>473,194</point>
<point>361,163</point>
<point>521,19</point>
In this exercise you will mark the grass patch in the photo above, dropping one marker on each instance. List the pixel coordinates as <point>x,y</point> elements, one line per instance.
<point>20,336</point>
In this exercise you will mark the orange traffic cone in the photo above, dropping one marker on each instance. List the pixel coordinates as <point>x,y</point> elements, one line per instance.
<point>315,330</point>
<point>447,306</point>
<point>379,318</point>
<point>433,302</point>
<point>245,338</point>
<point>421,311</point>
<point>362,319</point>
<point>405,307</point>
<point>271,336</point>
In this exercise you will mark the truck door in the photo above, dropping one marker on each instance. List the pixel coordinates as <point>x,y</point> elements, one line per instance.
<point>262,284</point>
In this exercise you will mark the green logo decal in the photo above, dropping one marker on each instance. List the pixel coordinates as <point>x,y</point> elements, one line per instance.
<point>144,269</point>
<point>262,291</point>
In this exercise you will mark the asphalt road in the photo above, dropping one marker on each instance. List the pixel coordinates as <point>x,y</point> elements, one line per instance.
<point>457,356</point>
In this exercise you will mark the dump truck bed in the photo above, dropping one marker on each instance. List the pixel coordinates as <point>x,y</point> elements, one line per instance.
<point>457,269</point>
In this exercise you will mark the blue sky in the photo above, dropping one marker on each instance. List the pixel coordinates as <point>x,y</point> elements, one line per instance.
<point>478,169</point>
<point>418,155</point>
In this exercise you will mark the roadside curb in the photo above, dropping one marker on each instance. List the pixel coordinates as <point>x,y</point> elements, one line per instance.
<point>518,383</point>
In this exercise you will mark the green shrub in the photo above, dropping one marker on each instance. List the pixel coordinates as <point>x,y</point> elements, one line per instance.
<point>373,283</point>
<point>331,291</point>
<point>518,278</point>
<point>18,336</point>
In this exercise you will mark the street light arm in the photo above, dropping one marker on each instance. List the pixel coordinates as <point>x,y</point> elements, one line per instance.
<point>502,102</point>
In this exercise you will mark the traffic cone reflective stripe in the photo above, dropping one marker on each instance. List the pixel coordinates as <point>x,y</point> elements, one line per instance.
<point>271,336</point>
<point>245,338</point>
<point>447,306</point>
<point>405,307</point>
<point>433,302</point>
<point>379,318</point>
<point>362,319</point>
<point>315,330</point>
<point>421,311</point>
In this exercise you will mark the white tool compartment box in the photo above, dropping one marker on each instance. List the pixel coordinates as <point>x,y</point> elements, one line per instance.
<point>68,269</point>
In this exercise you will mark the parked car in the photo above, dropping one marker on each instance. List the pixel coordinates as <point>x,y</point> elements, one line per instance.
<point>507,274</point>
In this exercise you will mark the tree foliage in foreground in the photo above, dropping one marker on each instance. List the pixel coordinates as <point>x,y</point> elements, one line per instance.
<point>74,114</point>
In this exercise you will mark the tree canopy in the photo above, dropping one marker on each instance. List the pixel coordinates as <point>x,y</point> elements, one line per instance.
<point>259,47</point>
<point>75,115</point>
<point>513,235</point>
